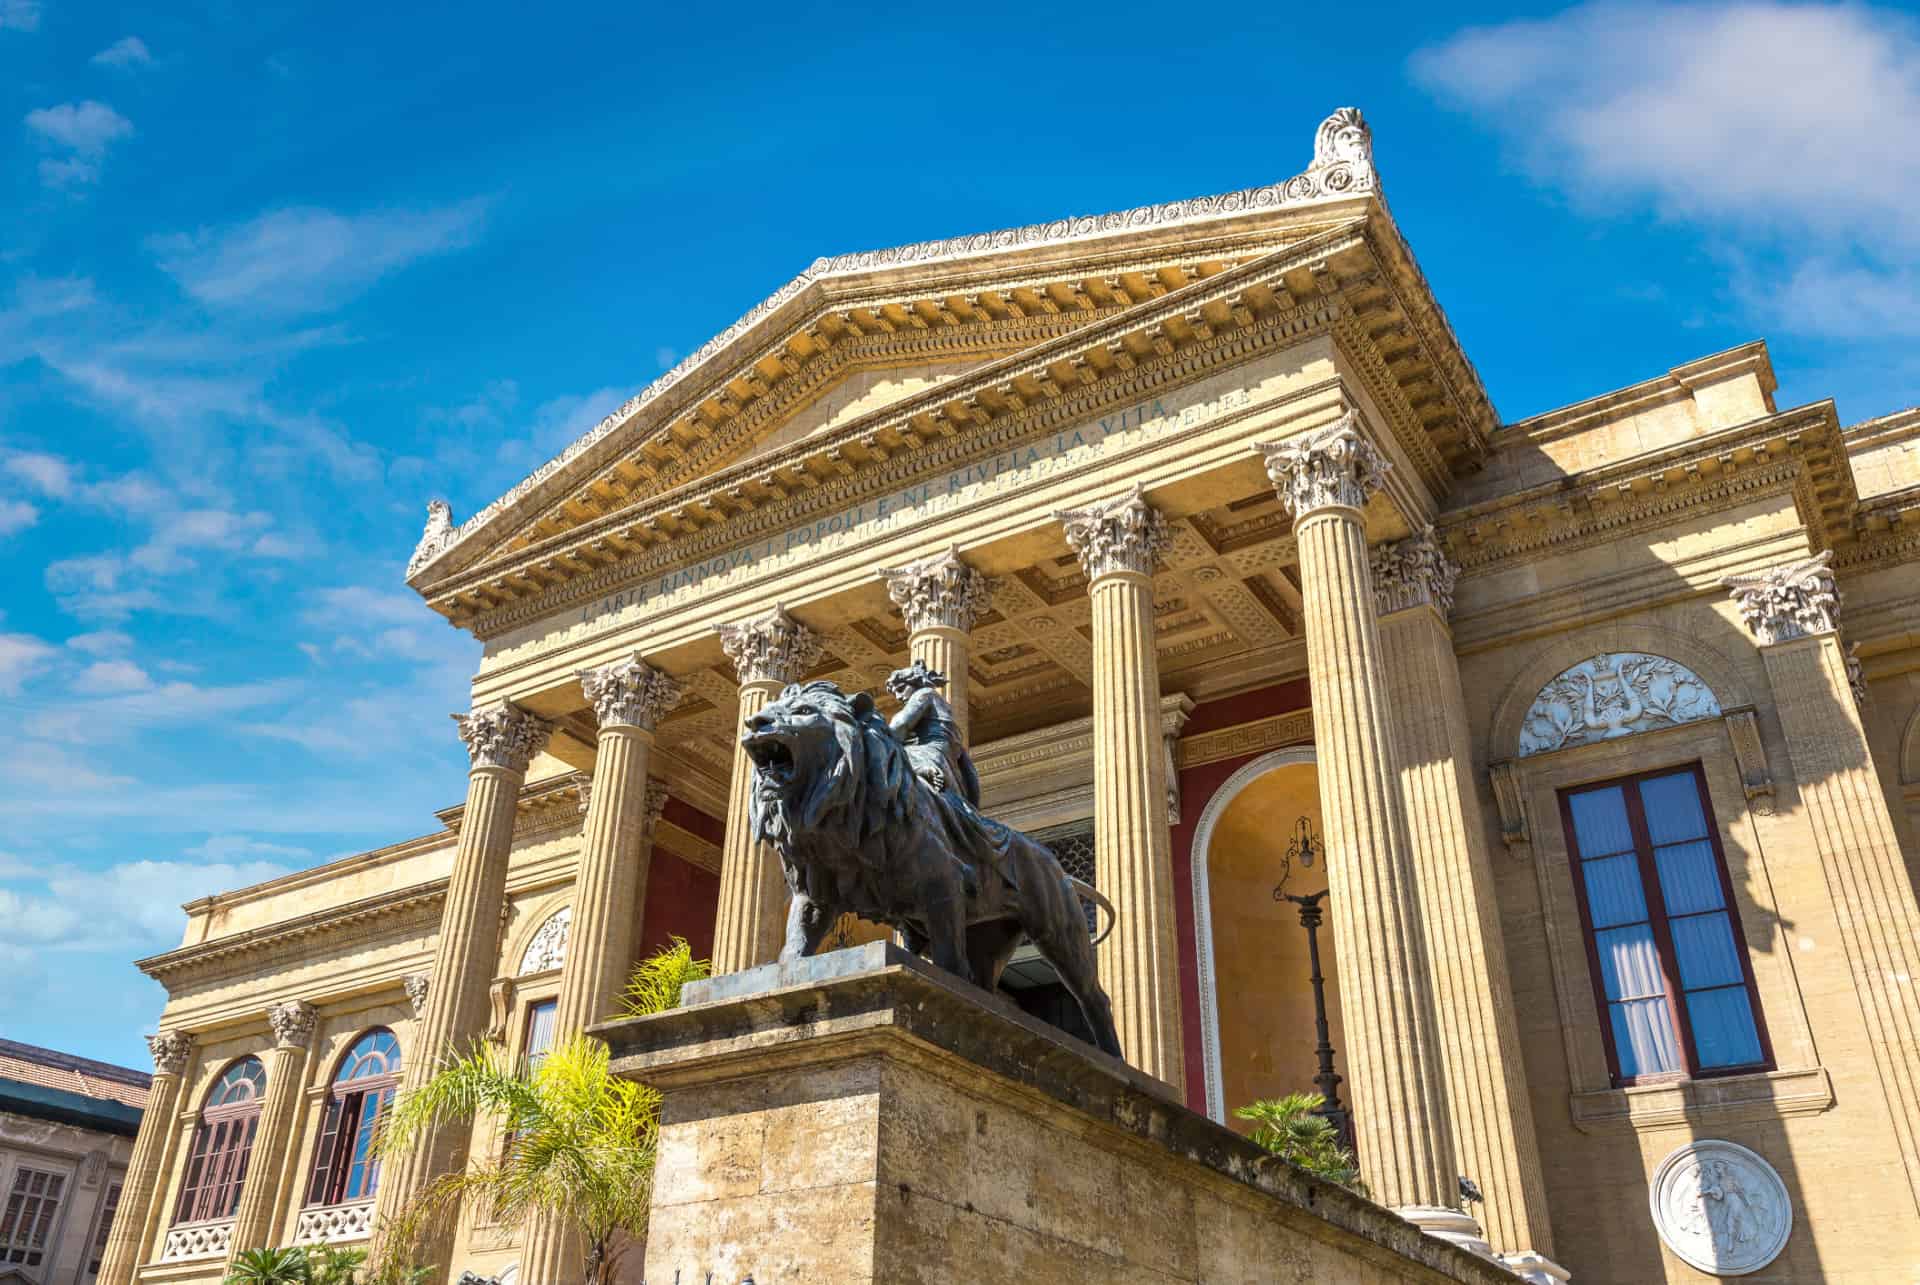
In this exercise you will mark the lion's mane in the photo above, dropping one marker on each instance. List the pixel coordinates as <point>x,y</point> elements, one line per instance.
<point>861,785</point>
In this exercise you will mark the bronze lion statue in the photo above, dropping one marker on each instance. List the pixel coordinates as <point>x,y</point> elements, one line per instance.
<point>857,829</point>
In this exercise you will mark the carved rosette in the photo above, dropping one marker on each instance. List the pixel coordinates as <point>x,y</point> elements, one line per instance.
<point>940,592</point>
<point>171,1051</point>
<point>292,1023</point>
<point>503,735</point>
<point>436,539</point>
<point>1123,536</point>
<point>1334,468</point>
<point>416,986</point>
<point>1414,572</point>
<point>774,648</point>
<point>1797,600</point>
<point>630,693</point>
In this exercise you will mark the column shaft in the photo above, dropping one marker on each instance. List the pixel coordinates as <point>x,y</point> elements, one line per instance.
<point>1466,956</point>
<point>611,886</point>
<point>501,740</point>
<point>135,1221</point>
<point>751,922</point>
<point>254,1222</point>
<point>945,649</point>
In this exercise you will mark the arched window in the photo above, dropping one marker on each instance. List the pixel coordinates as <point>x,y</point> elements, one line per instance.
<point>222,1144</point>
<point>344,1167</point>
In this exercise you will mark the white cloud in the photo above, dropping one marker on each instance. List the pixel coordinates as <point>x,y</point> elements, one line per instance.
<point>21,657</point>
<point>165,704</point>
<point>229,847</point>
<point>49,474</point>
<point>85,130</point>
<point>1790,132</point>
<point>130,908</point>
<point>128,51</point>
<point>19,15</point>
<point>105,642</point>
<point>16,515</point>
<point>105,677</point>
<point>304,259</point>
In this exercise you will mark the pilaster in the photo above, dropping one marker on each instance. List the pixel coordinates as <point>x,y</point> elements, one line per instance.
<point>260,1196</point>
<point>1118,544</point>
<point>1493,1131</point>
<point>767,652</point>
<point>1792,612</point>
<point>136,1222</point>
<point>501,740</point>
<point>1402,1125</point>
<point>940,598</point>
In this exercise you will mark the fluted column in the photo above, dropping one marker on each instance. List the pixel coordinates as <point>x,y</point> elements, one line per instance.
<point>767,652</point>
<point>628,700</point>
<point>501,741</point>
<point>260,1196</point>
<point>136,1220</point>
<point>1486,1087</point>
<point>1118,544</point>
<point>1793,613</point>
<point>940,598</point>
<point>1401,1124</point>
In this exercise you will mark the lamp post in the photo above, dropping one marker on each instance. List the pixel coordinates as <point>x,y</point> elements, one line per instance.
<point>1327,1080</point>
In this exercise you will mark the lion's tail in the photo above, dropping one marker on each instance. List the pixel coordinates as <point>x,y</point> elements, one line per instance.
<point>1088,893</point>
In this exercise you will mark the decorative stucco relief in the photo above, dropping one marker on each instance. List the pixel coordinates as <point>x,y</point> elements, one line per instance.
<point>1720,1207</point>
<point>1614,694</point>
<point>548,949</point>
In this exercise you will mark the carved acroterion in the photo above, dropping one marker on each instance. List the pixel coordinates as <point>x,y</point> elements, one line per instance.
<point>630,693</point>
<point>1126,535</point>
<point>1334,467</point>
<point>941,592</point>
<point>292,1022</point>
<point>774,648</point>
<point>436,539</point>
<point>1797,600</point>
<point>1413,572</point>
<point>503,735</point>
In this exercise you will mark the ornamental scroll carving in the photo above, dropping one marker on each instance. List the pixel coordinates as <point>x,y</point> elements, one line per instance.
<point>171,1051</point>
<point>1612,695</point>
<point>774,648</point>
<point>940,592</point>
<point>1414,572</point>
<point>1335,467</point>
<point>1750,755</point>
<point>1720,1207</point>
<point>503,735</point>
<point>548,949</point>
<point>630,693</point>
<point>1797,600</point>
<point>1126,535</point>
<point>292,1023</point>
<point>416,986</point>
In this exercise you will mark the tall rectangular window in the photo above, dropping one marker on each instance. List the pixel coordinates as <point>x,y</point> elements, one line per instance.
<point>1673,981</point>
<point>26,1223</point>
<point>109,1206</point>
<point>540,1032</point>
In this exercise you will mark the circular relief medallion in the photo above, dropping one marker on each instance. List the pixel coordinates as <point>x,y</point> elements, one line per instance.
<point>1721,1207</point>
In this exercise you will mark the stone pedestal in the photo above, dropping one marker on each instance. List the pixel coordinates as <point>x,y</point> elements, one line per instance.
<point>862,1116</point>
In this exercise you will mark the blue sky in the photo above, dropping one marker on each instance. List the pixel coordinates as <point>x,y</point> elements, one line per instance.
<point>271,277</point>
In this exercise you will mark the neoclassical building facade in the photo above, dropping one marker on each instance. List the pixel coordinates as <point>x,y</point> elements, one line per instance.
<point>1599,732</point>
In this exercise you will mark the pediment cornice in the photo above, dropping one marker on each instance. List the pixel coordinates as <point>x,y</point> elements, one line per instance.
<point>989,293</point>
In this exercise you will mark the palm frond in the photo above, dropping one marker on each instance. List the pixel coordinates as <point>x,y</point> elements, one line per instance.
<point>657,981</point>
<point>1291,1128</point>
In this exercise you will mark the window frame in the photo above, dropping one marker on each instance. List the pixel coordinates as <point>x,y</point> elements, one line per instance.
<point>103,1223</point>
<point>224,1136</point>
<point>1660,926</point>
<point>335,1144</point>
<point>18,1248</point>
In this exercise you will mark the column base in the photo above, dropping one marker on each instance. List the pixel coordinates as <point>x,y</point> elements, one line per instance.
<point>1454,1226</point>
<point>1536,1269</point>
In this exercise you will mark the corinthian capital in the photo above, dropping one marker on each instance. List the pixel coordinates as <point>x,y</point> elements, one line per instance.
<point>630,693</point>
<point>1336,467</point>
<point>292,1023</point>
<point>1123,535</point>
<point>503,735</point>
<point>1413,572</point>
<point>170,1050</point>
<point>940,592</point>
<point>772,648</point>
<point>1797,600</point>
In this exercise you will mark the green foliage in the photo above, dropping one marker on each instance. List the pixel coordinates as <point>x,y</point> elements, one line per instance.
<point>656,983</point>
<point>269,1267</point>
<point>1289,1129</point>
<point>581,1140</point>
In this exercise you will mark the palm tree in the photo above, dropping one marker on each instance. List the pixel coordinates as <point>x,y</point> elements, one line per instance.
<point>269,1267</point>
<point>1291,1128</point>
<point>581,1140</point>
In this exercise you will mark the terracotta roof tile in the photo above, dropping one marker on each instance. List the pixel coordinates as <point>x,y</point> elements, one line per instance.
<point>53,1070</point>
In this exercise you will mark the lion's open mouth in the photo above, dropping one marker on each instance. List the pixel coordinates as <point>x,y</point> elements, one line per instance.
<point>770,754</point>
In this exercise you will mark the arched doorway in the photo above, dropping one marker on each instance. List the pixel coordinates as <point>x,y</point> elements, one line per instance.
<point>1256,1002</point>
